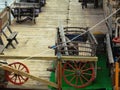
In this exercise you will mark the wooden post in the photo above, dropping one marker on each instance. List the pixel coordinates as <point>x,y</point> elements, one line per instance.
<point>59,71</point>
<point>62,36</point>
<point>0,24</point>
<point>59,75</point>
<point>9,11</point>
<point>116,76</point>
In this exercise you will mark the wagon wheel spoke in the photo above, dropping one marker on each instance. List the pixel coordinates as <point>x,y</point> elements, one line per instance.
<point>69,70</point>
<point>84,77</point>
<point>86,69</point>
<point>80,65</point>
<point>88,74</point>
<point>75,64</point>
<point>15,79</point>
<point>71,66</point>
<point>22,77</point>
<point>22,68</point>
<point>72,78</point>
<point>81,80</point>
<point>83,66</point>
<point>19,79</point>
<point>69,74</point>
<point>14,66</point>
<point>19,66</point>
<point>12,77</point>
<point>76,80</point>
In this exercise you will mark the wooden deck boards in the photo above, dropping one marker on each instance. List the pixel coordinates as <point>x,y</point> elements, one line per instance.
<point>34,39</point>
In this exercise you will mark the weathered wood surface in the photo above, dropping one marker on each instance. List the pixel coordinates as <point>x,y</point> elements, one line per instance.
<point>34,39</point>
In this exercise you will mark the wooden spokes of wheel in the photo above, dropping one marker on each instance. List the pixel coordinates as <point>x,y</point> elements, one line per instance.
<point>15,78</point>
<point>78,74</point>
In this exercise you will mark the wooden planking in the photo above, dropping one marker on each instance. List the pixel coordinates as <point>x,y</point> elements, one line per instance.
<point>87,17</point>
<point>34,39</point>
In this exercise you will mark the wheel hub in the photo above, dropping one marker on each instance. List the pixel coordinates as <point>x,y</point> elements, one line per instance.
<point>77,72</point>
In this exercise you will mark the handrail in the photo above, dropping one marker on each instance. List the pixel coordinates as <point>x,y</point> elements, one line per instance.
<point>67,58</point>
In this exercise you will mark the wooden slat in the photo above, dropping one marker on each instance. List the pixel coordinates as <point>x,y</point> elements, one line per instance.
<point>4,17</point>
<point>2,47</point>
<point>25,5</point>
<point>12,36</point>
<point>71,58</point>
<point>62,36</point>
<point>10,69</point>
<point>3,11</point>
<point>78,58</point>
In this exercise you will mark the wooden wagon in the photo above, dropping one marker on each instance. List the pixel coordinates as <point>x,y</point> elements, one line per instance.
<point>77,41</point>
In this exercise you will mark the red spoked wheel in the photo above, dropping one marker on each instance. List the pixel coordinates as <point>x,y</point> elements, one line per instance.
<point>116,40</point>
<point>15,78</point>
<point>78,74</point>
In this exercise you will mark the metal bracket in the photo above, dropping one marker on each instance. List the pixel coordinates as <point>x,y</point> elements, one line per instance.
<point>59,56</point>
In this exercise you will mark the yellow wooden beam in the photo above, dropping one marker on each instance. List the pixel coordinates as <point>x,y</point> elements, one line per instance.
<point>78,58</point>
<point>116,76</point>
<point>29,57</point>
<point>70,58</point>
<point>10,69</point>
